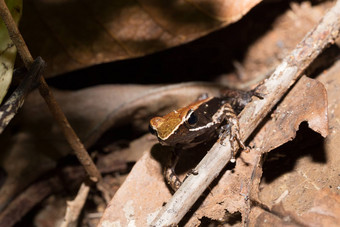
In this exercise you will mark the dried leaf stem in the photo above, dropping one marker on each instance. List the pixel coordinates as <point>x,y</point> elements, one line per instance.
<point>46,93</point>
<point>273,88</point>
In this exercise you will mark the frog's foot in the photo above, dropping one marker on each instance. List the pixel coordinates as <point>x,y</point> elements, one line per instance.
<point>256,91</point>
<point>172,179</point>
<point>169,172</point>
<point>190,172</point>
<point>193,172</point>
<point>232,130</point>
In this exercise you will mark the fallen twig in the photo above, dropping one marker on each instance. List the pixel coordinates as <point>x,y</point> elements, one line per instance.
<point>75,206</point>
<point>273,88</point>
<point>46,93</point>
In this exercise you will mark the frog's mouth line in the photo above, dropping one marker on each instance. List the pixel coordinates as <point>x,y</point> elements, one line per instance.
<point>202,127</point>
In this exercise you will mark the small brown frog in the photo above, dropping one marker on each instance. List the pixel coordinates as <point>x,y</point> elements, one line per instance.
<point>199,122</point>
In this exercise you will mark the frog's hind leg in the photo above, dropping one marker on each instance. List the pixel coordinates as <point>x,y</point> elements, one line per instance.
<point>232,129</point>
<point>169,172</point>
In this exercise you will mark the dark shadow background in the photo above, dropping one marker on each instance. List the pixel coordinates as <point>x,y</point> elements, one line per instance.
<point>284,158</point>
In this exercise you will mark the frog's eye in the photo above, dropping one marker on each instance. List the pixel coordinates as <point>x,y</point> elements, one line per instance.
<point>152,130</point>
<point>192,120</point>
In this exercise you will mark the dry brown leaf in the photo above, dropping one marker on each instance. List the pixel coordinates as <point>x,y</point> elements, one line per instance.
<point>298,188</point>
<point>324,211</point>
<point>306,102</point>
<point>298,176</point>
<point>71,35</point>
<point>268,219</point>
<point>32,145</point>
<point>34,142</point>
<point>138,199</point>
<point>233,185</point>
<point>118,158</point>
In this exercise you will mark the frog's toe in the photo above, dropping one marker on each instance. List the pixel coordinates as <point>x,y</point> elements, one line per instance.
<point>172,179</point>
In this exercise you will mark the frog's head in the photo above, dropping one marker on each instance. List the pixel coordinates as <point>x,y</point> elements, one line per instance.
<point>174,127</point>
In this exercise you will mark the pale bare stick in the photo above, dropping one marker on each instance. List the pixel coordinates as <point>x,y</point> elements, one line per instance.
<point>75,207</point>
<point>273,89</point>
<point>46,93</point>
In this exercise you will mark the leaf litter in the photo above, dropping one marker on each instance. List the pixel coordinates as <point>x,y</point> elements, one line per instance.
<point>234,184</point>
<point>237,189</point>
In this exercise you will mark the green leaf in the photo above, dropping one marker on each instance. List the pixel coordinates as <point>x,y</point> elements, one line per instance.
<point>7,48</point>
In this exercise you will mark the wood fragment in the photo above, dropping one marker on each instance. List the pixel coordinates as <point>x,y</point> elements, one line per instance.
<point>273,88</point>
<point>75,206</point>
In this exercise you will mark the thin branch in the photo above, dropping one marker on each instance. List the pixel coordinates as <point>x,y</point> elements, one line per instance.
<point>273,88</point>
<point>75,206</point>
<point>46,93</point>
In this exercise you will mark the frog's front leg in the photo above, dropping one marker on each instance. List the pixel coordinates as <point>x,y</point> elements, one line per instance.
<point>231,129</point>
<point>169,172</point>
